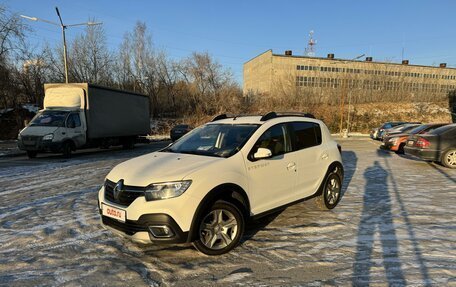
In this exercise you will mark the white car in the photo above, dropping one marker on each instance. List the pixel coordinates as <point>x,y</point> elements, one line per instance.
<point>205,186</point>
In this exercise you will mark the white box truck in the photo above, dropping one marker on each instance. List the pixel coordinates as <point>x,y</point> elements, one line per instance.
<point>83,115</point>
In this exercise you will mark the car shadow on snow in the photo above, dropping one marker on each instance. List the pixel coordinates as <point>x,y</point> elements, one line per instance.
<point>350,161</point>
<point>254,226</point>
<point>442,172</point>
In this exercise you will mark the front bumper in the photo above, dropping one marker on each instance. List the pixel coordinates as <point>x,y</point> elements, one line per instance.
<point>175,213</point>
<point>425,154</point>
<point>139,230</point>
<point>389,146</point>
<point>39,145</point>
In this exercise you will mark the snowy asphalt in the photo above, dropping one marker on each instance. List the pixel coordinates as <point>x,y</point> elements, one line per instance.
<point>395,226</point>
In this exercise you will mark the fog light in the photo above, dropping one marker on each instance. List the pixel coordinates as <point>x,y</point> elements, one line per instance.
<point>161,231</point>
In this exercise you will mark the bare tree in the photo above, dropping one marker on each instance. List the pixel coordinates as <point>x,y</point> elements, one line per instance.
<point>137,64</point>
<point>89,57</point>
<point>206,79</point>
<point>12,32</point>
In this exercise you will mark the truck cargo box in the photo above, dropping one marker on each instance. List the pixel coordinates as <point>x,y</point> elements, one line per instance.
<point>109,112</point>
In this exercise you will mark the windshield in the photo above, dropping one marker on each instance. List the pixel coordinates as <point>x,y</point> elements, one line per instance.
<point>50,119</point>
<point>220,140</point>
<point>419,129</point>
<point>407,128</point>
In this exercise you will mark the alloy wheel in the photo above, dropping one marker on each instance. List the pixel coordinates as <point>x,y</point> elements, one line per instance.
<point>451,158</point>
<point>332,191</point>
<point>218,229</point>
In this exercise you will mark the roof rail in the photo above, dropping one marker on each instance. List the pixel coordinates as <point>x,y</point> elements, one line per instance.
<point>229,116</point>
<point>266,117</point>
<point>220,117</point>
<point>273,115</point>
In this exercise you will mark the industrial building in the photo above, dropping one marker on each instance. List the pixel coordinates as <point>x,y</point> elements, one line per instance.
<point>270,74</point>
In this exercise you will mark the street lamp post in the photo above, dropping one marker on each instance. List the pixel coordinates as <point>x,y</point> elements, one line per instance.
<point>65,55</point>
<point>63,27</point>
<point>342,100</point>
<point>349,100</point>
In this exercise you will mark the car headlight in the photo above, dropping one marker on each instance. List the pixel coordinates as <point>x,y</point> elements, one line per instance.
<point>166,190</point>
<point>48,137</point>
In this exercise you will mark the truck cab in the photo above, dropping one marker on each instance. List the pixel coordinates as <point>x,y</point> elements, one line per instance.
<point>54,130</point>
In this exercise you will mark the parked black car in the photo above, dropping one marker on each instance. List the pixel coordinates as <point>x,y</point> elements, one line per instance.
<point>179,130</point>
<point>438,145</point>
<point>397,141</point>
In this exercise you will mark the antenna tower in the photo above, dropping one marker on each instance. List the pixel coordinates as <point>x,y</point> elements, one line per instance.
<point>310,50</point>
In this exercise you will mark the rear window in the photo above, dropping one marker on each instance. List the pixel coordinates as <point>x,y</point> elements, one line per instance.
<point>425,128</point>
<point>306,134</point>
<point>444,129</point>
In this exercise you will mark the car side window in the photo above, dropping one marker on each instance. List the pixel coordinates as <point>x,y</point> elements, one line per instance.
<point>276,139</point>
<point>73,120</point>
<point>305,135</point>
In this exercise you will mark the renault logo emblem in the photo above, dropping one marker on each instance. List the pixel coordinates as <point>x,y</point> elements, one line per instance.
<point>118,188</point>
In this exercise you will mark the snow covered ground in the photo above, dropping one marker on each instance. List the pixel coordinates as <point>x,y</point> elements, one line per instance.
<point>394,226</point>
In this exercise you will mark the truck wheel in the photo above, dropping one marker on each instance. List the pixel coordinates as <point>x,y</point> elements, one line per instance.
<point>330,195</point>
<point>449,158</point>
<point>66,149</point>
<point>31,153</point>
<point>220,229</point>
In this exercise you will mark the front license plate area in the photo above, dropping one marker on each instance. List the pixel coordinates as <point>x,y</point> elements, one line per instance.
<point>114,212</point>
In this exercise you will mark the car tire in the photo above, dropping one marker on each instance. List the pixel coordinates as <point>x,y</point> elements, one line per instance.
<point>400,149</point>
<point>330,193</point>
<point>220,229</point>
<point>449,158</point>
<point>66,149</point>
<point>31,153</point>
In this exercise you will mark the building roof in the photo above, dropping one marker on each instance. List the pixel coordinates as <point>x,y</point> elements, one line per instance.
<point>348,60</point>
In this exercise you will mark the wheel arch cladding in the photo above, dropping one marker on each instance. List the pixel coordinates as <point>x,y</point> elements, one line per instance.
<point>340,167</point>
<point>331,167</point>
<point>229,192</point>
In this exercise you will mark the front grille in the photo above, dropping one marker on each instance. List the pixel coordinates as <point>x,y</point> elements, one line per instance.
<point>128,227</point>
<point>30,141</point>
<point>126,196</point>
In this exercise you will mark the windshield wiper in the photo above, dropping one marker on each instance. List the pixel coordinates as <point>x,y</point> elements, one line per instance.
<point>199,152</point>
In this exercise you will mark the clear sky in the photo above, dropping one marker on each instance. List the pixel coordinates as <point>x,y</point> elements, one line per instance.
<point>233,31</point>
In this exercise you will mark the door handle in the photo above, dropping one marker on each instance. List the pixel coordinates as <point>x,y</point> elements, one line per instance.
<point>291,166</point>
<point>324,156</point>
<point>63,133</point>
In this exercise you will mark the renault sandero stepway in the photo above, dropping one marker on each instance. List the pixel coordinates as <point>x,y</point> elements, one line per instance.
<point>206,185</point>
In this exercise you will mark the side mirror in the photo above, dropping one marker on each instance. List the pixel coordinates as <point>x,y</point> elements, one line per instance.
<point>262,153</point>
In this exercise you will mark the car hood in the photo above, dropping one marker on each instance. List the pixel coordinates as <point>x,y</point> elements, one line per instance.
<point>159,167</point>
<point>37,130</point>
